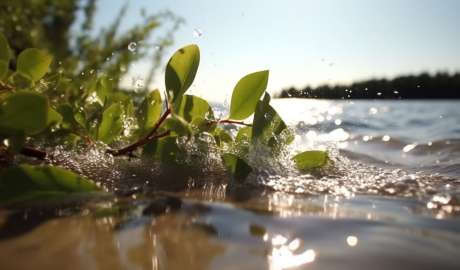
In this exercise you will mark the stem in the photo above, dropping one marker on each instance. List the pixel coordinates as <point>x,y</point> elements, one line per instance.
<point>228,121</point>
<point>5,86</point>
<point>32,152</point>
<point>144,140</point>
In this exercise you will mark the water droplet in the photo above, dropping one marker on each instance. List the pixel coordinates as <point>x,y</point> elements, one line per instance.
<point>409,147</point>
<point>338,122</point>
<point>138,84</point>
<point>132,46</point>
<point>197,32</point>
<point>352,240</point>
<point>6,142</point>
<point>373,110</point>
<point>386,138</point>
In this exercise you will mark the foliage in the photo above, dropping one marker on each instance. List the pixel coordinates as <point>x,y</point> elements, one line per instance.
<point>80,51</point>
<point>26,182</point>
<point>422,86</point>
<point>154,127</point>
<point>310,160</point>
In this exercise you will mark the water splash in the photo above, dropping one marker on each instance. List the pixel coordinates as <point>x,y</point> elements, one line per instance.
<point>132,47</point>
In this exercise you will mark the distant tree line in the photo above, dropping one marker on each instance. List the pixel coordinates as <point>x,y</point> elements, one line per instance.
<point>441,85</point>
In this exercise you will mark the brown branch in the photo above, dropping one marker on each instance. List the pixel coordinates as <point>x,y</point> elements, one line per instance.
<point>32,152</point>
<point>228,121</point>
<point>5,86</point>
<point>144,140</point>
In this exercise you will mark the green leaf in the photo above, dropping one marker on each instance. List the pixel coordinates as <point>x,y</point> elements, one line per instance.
<point>149,112</point>
<point>310,160</point>
<point>204,125</point>
<point>222,137</point>
<point>25,183</point>
<point>103,89</point>
<point>246,94</point>
<point>181,70</point>
<point>112,123</point>
<point>5,56</point>
<point>24,112</point>
<point>236,166</point>
<point>33,63</point>
<point>178,126</point>
<point>268,127</point>
<point>21,81</point>
<point>68,119</point>
<point>191,107</point>
<point>165,150</point>
<point>3,68</point>
<point>244,134</point>
<point>53,117</point>
<point>5,53</point>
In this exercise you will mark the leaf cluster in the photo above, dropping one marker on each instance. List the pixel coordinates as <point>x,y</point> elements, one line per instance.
<point>153,126</point>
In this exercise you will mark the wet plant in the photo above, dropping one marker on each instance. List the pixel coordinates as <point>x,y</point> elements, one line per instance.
<point>153,126</point>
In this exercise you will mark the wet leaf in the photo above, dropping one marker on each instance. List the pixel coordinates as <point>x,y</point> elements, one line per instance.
<point>26,182</point>
<point>236,166</point>
<point>222,137</point>
<point>103,89</point>
<point>33,63</point>
<point>3,69</point>
<point>54,117</point>
<point>24,112</point>
<point>5,53</point>
<point>178,126</point>
<point>112,123</point>
<point>21,81</point>
<point>246,94</point>
<point>191,107</point>
<point>181,70</point>
<point>149,112</point>
<point>244,134</point>
<point>204,125</point>
<point>68,119</point>
<point>165,150</point>
<point>310,160</point>
<point>5,56</point>
<point>268,127</point>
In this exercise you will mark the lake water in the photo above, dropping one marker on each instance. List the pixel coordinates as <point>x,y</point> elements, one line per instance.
<point>389,200</point>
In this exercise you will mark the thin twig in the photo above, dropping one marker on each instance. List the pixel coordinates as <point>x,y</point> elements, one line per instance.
<point>144,140</point>
<point>228,121</point>
<point>5,86</point>
<point>33,152</point>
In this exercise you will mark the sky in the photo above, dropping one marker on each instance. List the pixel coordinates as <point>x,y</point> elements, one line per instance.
<point>304,42</point>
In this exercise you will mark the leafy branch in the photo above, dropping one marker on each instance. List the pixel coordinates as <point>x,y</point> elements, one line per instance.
<point>105,114</point>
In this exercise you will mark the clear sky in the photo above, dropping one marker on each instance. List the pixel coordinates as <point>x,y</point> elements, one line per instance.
<point>306,42</point>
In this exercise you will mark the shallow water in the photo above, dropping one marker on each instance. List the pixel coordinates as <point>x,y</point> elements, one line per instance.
<point>390,200</point>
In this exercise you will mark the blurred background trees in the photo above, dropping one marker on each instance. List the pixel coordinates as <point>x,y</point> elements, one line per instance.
<point>442,85</point>
<point>66,29</point>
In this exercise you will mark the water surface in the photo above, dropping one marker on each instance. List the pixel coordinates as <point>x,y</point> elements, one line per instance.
<point>390,200</point>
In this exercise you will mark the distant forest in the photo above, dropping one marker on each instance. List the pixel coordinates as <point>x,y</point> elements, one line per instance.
<point>441,85</point>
